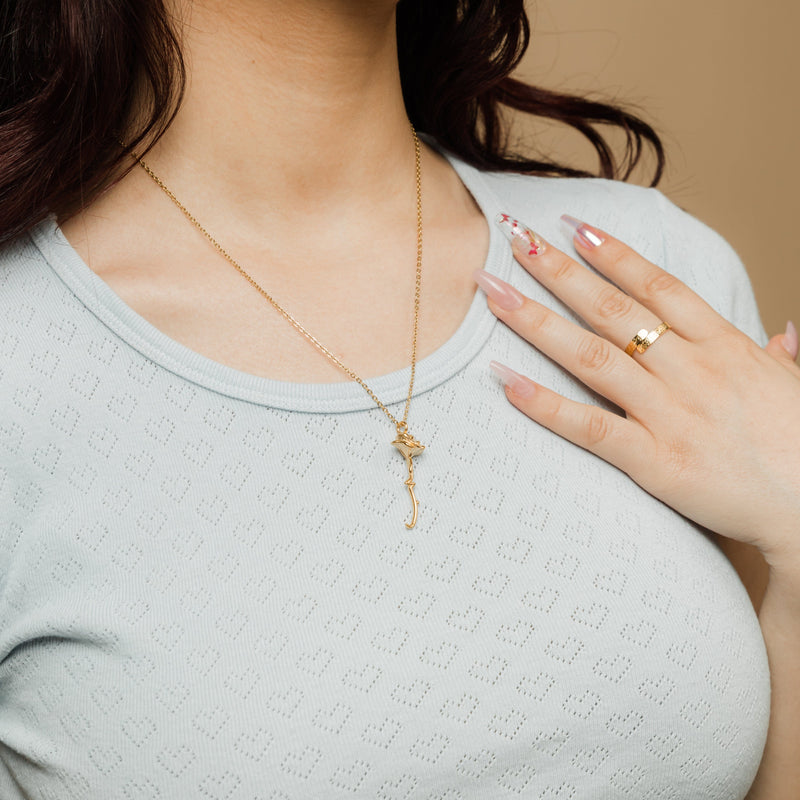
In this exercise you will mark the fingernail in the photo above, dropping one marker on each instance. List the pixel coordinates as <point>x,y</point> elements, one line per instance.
<point>588,236</point>
<point>790,341</point>
<point>520,235</point>
<point>519,384</point>
<point>505,295</point>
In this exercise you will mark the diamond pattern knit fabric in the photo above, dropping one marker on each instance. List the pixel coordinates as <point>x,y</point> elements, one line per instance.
<point>207,590</point>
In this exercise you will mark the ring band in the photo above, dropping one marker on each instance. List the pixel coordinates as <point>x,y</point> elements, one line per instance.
<point>642,340</point>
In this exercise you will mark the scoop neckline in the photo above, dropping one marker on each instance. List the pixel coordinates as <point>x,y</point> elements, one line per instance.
<point>341,397</point>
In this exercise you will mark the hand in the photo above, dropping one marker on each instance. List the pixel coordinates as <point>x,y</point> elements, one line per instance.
<point>712,421</point>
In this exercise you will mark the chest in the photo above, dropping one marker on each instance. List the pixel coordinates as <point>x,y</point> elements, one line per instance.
<point>219,591</point>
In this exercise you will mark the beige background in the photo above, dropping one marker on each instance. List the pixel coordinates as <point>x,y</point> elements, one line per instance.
<point>719,79</point>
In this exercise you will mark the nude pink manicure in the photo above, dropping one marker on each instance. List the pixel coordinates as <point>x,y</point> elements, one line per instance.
<point>519,384</point>
<point>587,236</point>
<point>790,340</point>
<point>502,293</point>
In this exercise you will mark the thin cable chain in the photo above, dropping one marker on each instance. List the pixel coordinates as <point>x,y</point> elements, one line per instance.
<point>401,424</point>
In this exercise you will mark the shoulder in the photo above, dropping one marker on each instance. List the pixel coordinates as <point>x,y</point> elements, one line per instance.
<point>22,267</point>
<point>642,217</point>
<point>34,308</point>
<point>589,192</point>
<point>648,222</point>
<point>24,271</point>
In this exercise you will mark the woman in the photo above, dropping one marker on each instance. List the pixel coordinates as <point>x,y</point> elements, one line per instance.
<point>208,586</point>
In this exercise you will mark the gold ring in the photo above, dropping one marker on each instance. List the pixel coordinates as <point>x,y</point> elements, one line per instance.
<point>642,340</point>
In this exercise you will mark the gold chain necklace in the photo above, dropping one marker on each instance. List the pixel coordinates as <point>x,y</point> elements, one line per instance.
<point>408,446</point>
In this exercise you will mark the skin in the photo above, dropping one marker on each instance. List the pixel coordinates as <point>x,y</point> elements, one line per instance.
<point>311,158</point>
<point>311,155</point>
<point>728,459</point>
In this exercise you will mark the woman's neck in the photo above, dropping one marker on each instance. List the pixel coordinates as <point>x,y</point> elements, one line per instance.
<point>293,148</point>
<point>290,104</point>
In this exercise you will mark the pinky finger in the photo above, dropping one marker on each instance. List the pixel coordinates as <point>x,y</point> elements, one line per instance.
<point>618,440</point>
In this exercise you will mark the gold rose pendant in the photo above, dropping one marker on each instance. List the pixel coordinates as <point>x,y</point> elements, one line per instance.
<point>409,447</point>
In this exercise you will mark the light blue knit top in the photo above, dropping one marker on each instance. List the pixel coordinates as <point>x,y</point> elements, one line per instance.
<point>207,590</point>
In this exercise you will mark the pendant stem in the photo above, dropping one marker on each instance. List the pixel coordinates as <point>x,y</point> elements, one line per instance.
<point>409,447</point>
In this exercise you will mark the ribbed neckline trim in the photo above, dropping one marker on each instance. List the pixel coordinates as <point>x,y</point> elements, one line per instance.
<point>341,397</point>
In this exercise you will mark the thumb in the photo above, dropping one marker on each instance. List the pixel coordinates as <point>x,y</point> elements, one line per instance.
<point>784,346</point>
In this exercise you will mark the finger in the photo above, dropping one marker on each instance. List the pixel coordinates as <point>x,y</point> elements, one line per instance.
<point>620,441</point>
<point>667,297</point>
<point>589,357</point>
<point>613,314</point>
<point>784,346</point>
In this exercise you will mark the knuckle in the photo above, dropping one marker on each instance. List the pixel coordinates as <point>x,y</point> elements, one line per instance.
<point>537,316</point>
<point>595,354</point>
<point>563,269</point>
<point>596,428</point>
<point>613,304</point>
<point>618,257</point>
<point>554,408</point>
<point>679,459</point>
<point>659,283</point>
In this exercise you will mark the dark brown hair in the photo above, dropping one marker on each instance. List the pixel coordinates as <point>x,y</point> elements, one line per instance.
<point>75,74</point>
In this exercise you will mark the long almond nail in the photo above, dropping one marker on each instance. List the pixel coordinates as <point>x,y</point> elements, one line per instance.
<point>520,235</point>
<point>587,236</point>
<point>519,384</point>
<point>505,295</point>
